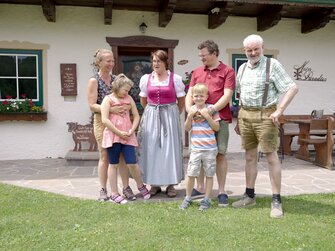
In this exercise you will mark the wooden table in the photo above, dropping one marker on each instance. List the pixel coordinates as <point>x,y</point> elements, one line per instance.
<point>304,128</point>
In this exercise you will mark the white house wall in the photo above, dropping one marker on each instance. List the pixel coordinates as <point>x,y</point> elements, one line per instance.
<point>79,31</point>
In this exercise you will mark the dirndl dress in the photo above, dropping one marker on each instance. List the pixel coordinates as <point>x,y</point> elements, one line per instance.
<point>160,151</point>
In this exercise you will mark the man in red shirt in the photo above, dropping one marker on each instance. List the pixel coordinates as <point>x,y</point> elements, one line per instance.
<point>220,80</point>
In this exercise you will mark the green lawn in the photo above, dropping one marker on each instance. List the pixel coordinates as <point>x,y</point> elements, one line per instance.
<point>36,220</point>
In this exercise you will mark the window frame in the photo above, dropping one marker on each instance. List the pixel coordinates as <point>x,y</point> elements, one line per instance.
<point>39,101</point>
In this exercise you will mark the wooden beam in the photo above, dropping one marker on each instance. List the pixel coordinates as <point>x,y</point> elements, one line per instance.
<point>269,17</point>
<point>108,7</point>
<point>315,20</point>
<point>49,10</point>
<point>218,14</point>
<point>166,12</point>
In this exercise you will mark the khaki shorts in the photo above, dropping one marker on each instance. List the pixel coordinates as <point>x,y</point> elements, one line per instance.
<point>205,159</point>
<point>257,128</point>
<point>98,128</point>
<point>222,137</point>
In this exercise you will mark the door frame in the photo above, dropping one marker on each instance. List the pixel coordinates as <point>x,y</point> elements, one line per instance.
<point>140,44</point>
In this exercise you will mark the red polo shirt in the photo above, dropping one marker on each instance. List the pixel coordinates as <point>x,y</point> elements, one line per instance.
<point>216,80</point>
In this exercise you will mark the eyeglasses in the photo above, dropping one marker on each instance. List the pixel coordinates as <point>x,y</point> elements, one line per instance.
<point>156,61</point>
<point>204,55</point>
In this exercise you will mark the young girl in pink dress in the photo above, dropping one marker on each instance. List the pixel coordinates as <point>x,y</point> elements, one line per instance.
<point>119,136</point>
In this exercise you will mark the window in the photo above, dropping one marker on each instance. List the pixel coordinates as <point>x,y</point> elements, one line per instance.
<point>21,75</point>
<point>237,61</point>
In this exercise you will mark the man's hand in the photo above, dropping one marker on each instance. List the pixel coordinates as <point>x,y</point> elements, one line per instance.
<point>237,129</point>
<point>275,117</point>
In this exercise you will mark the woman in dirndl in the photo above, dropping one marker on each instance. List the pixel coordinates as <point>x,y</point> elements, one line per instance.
<point>159,135</point>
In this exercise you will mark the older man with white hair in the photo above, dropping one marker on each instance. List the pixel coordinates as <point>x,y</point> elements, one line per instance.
<point>260,83</point>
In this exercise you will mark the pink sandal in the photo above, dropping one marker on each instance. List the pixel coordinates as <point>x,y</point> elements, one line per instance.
<point>144,192</point>
<point>118,199</point>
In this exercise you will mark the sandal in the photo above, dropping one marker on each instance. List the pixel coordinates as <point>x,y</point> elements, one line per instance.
<point>128,193</point>
<point>155,190</point>
<point>144,192</point>
<point>118,199</point>
<point>171,191</point>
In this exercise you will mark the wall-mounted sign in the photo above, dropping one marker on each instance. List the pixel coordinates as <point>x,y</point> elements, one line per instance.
<point>68,76</point>
<point>305,73</point>
<point>82,133</point>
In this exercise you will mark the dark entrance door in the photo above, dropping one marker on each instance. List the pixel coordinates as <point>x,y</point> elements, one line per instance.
<point>132,57</point>
<point>134,67</point>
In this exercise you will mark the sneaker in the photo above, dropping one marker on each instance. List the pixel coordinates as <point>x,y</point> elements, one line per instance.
<point>118,199</point>
<point>245,201</point>
<point>205,204</point>
<point>276,210</point>
<point>186,203</point>
<point>128,193</point>
<point>144,192</point>
<point>196,194</point>
<point>223,200</point>
<point>103,195</point>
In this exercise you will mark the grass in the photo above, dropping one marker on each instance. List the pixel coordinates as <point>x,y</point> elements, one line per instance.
<point>36,220</point>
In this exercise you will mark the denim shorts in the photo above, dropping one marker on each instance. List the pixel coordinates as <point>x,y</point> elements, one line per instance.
<point>128,152</point>
<point>256,128</point>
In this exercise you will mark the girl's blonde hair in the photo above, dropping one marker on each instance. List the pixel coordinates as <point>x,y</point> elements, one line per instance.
<point>120,81</point>
<point>99,56</point>
<point>200,88</point>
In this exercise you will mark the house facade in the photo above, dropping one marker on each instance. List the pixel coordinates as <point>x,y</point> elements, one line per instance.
<point>77,32</point>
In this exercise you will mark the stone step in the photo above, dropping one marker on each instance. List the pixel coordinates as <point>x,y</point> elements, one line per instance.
<point>91,158</point>
<point>82,158</point>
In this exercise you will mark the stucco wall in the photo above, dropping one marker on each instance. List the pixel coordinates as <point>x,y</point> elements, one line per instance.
<point>78,32</point>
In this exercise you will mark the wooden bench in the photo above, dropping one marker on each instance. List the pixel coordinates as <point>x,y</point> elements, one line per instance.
<point>291,130</point>
<point>323,145</point>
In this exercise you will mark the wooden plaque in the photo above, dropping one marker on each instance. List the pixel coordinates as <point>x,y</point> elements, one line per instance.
<point>68,76</point>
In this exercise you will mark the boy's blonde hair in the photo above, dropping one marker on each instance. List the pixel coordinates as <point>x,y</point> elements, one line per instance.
<point>120,81</point>
<point>200,88</point>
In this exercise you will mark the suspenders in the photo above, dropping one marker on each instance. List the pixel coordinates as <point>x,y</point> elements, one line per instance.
<point>267,77</point>
<point>266,87</point>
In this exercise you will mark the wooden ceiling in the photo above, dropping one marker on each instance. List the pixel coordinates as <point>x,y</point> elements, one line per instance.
<point>313,14</point>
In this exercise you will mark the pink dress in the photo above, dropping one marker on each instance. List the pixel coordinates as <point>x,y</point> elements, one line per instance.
<point>121,122</point>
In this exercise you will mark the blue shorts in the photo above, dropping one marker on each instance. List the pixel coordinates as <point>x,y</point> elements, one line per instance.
<point>115,151</point>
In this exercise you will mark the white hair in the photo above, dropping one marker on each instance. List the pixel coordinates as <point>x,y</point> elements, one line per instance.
<point>253,39</point>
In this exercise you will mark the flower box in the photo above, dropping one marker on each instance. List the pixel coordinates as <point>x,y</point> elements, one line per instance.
<point>23,116</point>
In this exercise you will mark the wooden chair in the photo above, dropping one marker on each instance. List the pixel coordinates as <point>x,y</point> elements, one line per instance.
<point>323,145</point>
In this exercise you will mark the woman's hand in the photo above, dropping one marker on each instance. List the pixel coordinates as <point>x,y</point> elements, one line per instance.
<point>120,109</point>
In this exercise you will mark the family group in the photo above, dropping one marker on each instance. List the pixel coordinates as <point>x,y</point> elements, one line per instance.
<point>150,148</point>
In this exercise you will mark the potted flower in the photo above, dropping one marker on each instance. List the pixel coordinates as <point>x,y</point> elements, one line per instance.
<point>187,80</point>
<point>13,109</point>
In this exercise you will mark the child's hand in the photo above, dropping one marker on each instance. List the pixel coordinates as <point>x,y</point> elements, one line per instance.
<point>124,135</point>
<point>205,113</point>
<point>192,111</point>
<point>130,132</point>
